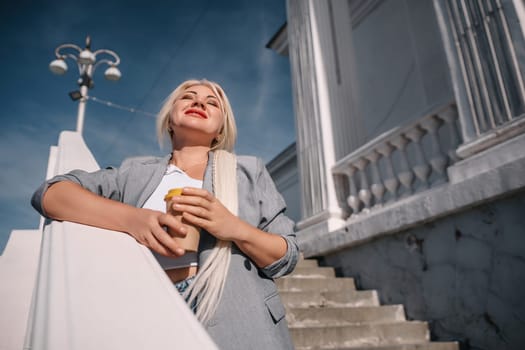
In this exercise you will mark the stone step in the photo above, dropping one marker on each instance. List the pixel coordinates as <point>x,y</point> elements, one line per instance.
<point>338,316</point>
<point>420,346</point>
<point>325,312</point>
<point>312,272</point>
<point>323,284</point>
<point>342,298</point>
<point>307,263</point>
<point>363,335</point>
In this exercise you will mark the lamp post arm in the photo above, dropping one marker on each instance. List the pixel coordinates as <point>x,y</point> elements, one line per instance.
<point>112,63</point>
<point>69,55</point>
<point>66,46</point>
<point>104,60</point>
<point>108,52</point>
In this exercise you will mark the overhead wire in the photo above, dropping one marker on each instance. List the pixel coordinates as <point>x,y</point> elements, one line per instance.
<point>117,106</point>
<point>176,50</point>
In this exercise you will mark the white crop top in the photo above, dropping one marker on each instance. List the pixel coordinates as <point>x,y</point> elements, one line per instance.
<point>174,177</point>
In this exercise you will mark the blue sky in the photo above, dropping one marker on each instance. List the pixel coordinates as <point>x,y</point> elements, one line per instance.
<point>160,43</point>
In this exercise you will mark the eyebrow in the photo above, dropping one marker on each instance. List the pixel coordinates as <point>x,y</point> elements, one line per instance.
<point>195,93</point>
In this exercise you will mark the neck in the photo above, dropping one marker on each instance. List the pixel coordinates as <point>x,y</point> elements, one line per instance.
<point>187,157</point>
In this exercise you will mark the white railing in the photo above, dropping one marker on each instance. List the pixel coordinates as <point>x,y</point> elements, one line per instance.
<point>99,289</point>
<point>400,162</point>
<point>18,265</point>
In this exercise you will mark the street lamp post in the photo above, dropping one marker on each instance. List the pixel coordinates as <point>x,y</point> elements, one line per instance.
<point>87,63</point>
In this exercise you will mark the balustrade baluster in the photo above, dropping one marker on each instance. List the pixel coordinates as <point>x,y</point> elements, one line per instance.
<point>390,180</point>
<point>450,115</point>
<point>422,167</point>
<point>377,187</point>
<point>364,193</point>
<point>438,160</point>
<point>406,177</point>
<point>352,199</point>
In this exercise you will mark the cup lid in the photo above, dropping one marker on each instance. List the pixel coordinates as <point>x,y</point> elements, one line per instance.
<point>172,193</point>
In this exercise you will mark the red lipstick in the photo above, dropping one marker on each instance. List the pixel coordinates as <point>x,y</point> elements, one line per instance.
<point>198,112</point>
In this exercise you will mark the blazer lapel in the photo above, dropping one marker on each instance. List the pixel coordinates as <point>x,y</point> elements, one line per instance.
<point>154,172</point>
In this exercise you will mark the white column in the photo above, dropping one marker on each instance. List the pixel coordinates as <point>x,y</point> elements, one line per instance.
<point>520,12</point>
<point>456,66</point>
<point>325,117</point>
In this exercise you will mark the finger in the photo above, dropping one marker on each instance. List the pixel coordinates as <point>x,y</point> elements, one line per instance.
<point>175,226</point>
<point>165,238</point>
<point>198,211</point>
<point>196,220</point>
<point>142,241</point>
<point>167,243</point>
<point>154,245</point>
<point>193,191</point>
<point>197,201</point>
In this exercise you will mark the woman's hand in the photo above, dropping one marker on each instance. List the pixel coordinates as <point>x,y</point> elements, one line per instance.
<point>147,227</point>
<point>202,209</point>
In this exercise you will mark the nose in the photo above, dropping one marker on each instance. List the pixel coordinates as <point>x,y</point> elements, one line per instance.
<point>198,102</point>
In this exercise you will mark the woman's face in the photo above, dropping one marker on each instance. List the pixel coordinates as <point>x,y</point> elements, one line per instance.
<point>197,111</point>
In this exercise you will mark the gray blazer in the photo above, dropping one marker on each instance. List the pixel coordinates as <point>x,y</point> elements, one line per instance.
<point>250,314</point>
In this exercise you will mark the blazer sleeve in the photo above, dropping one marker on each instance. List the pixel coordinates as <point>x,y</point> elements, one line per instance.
<point>273,219</point>
<point>104,182</point>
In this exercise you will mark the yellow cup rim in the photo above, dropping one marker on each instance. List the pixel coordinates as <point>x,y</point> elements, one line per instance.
<point>172,193</point>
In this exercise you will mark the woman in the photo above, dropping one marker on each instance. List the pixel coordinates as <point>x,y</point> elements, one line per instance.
<point>229,281</point>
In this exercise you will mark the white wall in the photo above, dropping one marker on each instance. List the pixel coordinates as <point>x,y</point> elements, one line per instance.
<point>400,63</point>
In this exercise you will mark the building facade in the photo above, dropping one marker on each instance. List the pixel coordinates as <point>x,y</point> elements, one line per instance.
<point>410,155</point>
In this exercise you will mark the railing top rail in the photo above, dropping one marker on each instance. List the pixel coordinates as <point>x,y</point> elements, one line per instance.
<point>342,165</point>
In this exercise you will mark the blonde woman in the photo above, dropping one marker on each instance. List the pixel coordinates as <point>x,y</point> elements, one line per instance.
<point>246,239</point>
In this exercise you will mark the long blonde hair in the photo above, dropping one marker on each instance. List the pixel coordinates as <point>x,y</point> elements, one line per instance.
<point>206,290</point>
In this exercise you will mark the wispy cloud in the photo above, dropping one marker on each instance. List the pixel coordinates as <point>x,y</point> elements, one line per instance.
<point>265,68</point>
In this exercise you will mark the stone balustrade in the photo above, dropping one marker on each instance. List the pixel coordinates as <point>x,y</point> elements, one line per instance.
<point>400,162</point>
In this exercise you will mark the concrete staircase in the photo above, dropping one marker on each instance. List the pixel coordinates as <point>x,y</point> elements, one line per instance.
<point>325,312</point>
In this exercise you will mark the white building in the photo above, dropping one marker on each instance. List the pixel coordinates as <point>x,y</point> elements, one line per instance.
<point>409,168</point>
<point>410,178</point>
